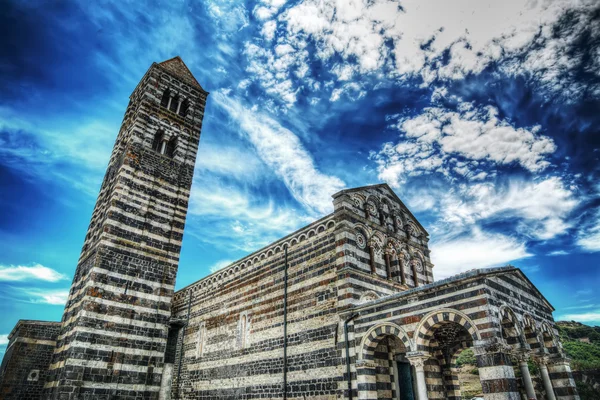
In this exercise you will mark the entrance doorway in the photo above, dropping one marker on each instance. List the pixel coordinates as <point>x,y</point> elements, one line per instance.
<point>405,381</point>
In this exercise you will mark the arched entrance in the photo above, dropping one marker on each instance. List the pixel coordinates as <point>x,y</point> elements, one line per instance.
<point>443,335</point>
<point>383,371</point>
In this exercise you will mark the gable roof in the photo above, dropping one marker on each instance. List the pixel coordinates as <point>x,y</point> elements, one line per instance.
<point>394,195</point>
<point>177,67</point>
<point>472,274</point>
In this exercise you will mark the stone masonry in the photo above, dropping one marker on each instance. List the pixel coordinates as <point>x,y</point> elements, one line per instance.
<point>28,354</point>
<point>344,308</point>
<point>116,320</point>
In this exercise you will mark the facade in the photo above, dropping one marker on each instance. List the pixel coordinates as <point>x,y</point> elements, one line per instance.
<point>344,308</point>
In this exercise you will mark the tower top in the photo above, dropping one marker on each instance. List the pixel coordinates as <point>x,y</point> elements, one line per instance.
<point>177,67</point>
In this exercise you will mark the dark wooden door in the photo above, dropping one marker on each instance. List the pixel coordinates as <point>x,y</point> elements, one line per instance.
<point>405,382</point>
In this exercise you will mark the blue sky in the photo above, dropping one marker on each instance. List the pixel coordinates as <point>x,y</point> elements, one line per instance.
<point>482,115</point>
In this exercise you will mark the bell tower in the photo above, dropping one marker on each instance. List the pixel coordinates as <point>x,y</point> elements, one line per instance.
<point>115,324</point>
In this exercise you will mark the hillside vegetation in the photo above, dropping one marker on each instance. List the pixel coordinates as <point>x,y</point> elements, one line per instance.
<point>582,344</point>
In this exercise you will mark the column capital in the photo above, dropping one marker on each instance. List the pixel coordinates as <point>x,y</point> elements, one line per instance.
<point>522,355</point>
<point>417,358</point>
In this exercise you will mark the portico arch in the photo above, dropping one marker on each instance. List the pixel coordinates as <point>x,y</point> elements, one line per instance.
<point>372,337</point>
<point>433,320</point>
<point>383,370</point>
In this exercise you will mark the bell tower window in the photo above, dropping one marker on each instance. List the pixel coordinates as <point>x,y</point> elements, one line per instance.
<point>170,147</point>
<point>183,110</point>
<point>173,104</point>
<point>166,98</point>
<point>163,146</point>
<point>158,141</point>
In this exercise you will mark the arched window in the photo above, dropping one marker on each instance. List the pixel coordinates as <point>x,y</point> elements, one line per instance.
<point>185,106</point>
<point>171,146</point>
<point>162,145</point>
<point>165,98</point>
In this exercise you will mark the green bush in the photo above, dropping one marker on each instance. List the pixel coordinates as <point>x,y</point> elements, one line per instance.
<point>466,358</point>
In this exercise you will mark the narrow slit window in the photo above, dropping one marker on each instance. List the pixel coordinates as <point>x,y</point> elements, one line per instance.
<point>185,106</point>
<point>171,146</point>
<point>243,329</point>
<point>158,141</point>
<point>165,98</point>
<point>200,340</point>
<point>174,104</point>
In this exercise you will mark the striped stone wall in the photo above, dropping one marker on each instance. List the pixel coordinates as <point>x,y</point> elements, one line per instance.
<point>471,301</point>
<point>116,320</point>
<point>28,354</point>
<point>233,339</point>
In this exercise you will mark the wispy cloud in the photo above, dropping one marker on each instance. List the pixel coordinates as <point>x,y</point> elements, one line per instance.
<point>220,265</point>
<point>558,253</point>
<point>56,297</point>
<point>588,237</point>
<point>541,209</point>
<point>475,250</point>
<point>283,152</point>
<point>16,273</point>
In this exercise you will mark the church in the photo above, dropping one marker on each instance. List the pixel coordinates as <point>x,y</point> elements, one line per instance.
<point>344,308</point>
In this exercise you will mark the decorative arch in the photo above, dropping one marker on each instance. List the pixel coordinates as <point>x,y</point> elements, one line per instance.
<point>372,337</point>
<point>368,296</point>
<point>549,341</point>
<point>510,327</point>
<point>531,333</point>
<point>372,207</point>
<point>385,202</point>
<point>358,200</point>
<point>433,320</point>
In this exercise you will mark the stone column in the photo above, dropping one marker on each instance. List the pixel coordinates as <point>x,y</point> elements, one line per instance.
<point>524,367</point>
<point>388,264</point>
<point>372,257</point>
<point>366,380</point>
<point>495,371</point>
<point>563,383</point>
<point>166,382</point>
<point>546,380</point>
<point>417,359</point>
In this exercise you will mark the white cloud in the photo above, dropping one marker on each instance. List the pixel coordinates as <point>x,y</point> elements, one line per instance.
<point>474,250</point>
<point>542,208</point>
<point>586,317</point>
<point>268,30</point>
<point>238,218</point>
<point>442,40</point>
<point>430,141</point>
<point>220,265</point>
<point>558,253</point>
<point>281,150</point>
<point>3,340</point>
<point>56,297</point>
<point>15,273</point>
<point>229,161</point>
<point>588,237</point>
